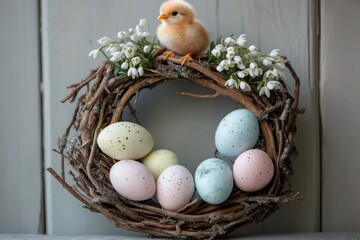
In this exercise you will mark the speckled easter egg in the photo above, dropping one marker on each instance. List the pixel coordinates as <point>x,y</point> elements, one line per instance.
<point>158,160</point>
<point>214,180</point>
<point>175,187</point>
<point>125,140</point>
<point>132,180</point>
<point>253,170</point>
<point>237,132</point>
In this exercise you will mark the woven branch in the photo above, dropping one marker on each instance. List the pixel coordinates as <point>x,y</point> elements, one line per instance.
<point>103,104</point>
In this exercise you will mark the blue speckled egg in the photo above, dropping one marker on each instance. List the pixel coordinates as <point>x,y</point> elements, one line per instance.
<point>237,132</point>
<point>214,180</point>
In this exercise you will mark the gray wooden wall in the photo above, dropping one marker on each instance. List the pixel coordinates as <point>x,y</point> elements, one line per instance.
<point>44,46</point>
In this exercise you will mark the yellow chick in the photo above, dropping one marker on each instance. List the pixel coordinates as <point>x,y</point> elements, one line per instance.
<point>180,32</point>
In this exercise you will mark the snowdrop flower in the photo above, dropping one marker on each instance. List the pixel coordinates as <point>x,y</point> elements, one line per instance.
<point>146,49</point>
<point>267,61</point>
<point>216,52</point>
<point>231,83</point>
<point>143,22</point>
<point>245,86</point>
<point>241,41</point>
<point>272,74</point>
<point>229,56</point>
<point>221,48</point>
<point>229,41</point>
<point>136,60</point>
<point>104,41</point>
<point>252,48</point>
<point>274,53</point>
<point>253,65</point>
<point>264,91</point>
<point>141,71</point>
<point>253,51</point>
<point>124,65</point>
<point>230,52</point>
<point>123,35</point>
<point>116,56</point>
<point>133,73</point>
<point>113,48</point>
<point>131,31</point>
<point>138,30</point>
<point>135,37</point>
<point>237,59</point>
<point>224,64</point>
<point>253,70</point>
<point>271,85</point>
<point>129,52</point>
<point>280,64</point>
<point>241,74</point>
<point>219,68</point>
<point>94,53</point>
<point>146,34</point>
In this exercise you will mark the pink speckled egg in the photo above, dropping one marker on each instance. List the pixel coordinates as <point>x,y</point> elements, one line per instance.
<point>175,187</point>
<point>132,180</point>
<point>253,170</point>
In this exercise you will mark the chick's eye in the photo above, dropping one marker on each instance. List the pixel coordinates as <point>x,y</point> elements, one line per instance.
<point>174,13</point>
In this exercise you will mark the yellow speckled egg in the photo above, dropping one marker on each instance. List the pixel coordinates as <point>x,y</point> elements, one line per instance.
<point>125,140</point>
<point>158,160</point>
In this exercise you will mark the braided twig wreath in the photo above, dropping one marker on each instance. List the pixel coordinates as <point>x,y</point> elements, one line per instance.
<point>104,102</point>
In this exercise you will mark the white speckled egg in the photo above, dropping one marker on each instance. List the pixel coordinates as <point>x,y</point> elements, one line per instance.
<point>175,187</point>
<point>214,180</point>
<point>132,180</point>
<point>158,160</point>
<point>125,140</point>
<point>253,170</point>
<point>237,132</point>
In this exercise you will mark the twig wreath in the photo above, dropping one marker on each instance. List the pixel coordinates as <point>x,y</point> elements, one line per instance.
<point>231,69</point>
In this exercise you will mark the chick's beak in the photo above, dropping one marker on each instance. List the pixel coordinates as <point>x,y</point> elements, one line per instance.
<point>163,16</point>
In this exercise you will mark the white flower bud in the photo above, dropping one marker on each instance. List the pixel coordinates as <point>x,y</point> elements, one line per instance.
<point>124,65</point>
<point>241,74</point>
<point>274,53</point>
<point>241,41</point>
<point>216,52</point>
<point>143,22</point>
<point>245,86</point>
<point>237,59</point>
<point>141,71</point>
<point>132,72</point>
<point>136,60</point>
<point>146,49</point>
<point>219,68</point>
<point>266,62</point>
<point>271,85</point>
<point>231,83</point>
<point>94,53</point>
<point>220,47</point>
<point>229,41</point>
<point>253,65</point>
<point>115,56</point>
<point>146,34</point>
<point>252,48</point>
<point>104,41</point>
<point>135,37</point>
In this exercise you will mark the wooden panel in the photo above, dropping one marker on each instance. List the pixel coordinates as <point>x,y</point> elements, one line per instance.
<point>340,34</point>
<point>70,31</point>
<point>20,139</point>
<point>284,24</point>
